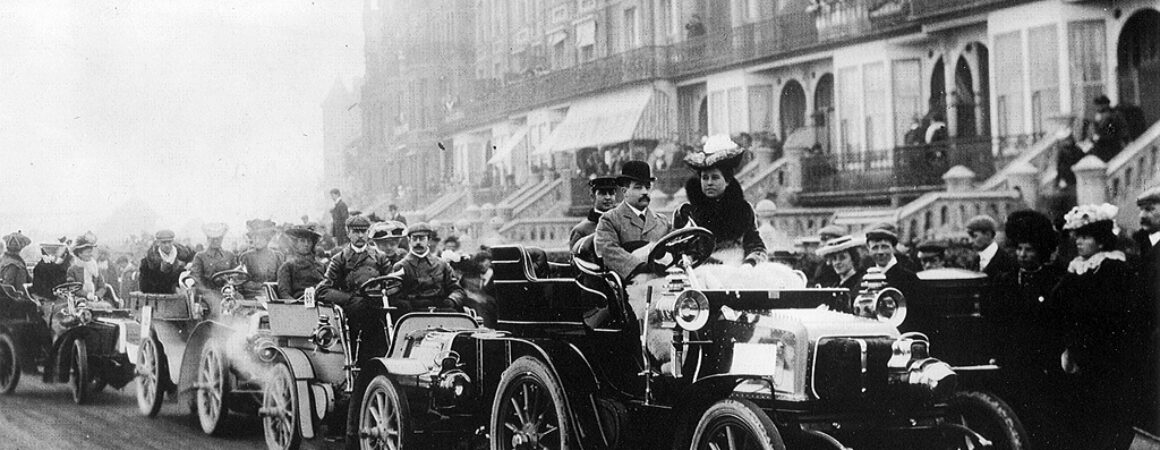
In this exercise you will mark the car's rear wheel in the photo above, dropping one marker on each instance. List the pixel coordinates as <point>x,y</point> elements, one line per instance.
<point>280,410</point>
<point>149,392</point>
<point>79,371</point>
<point>385,421</point>
<point>212,389</point>
<point>528,411</point>
<point>990,417</point>
<point>9,365</point>
<point>735,424</point>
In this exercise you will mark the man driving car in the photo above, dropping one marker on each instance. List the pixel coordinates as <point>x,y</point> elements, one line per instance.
<point>428,282</point>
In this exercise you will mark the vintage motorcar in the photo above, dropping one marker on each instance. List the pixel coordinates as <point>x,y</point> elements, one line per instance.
<point>86,344</point>
<point>312,372</point>
<point>571,366</point>
<point>201,354</point>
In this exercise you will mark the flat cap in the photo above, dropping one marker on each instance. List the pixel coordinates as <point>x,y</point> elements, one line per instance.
<point>164,235</point>
<point>215,230</point>
<point>879,234</point>
<point>16,241</point>
<point>358,222</point>
<point>888,226</point>
<point>420,228</point>
<point>832,230</point>
<point>840,244</point>
<point>1149,196</point>
<point>982,222</point>
<point>931,246</point>
<point>602,183</point>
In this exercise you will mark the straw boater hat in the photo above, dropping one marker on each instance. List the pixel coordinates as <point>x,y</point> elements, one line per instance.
<point>390,229</point>
<point>840,244</point>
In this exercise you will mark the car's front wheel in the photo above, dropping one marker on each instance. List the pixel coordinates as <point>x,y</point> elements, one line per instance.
<point>735,424</point>
<point>212,389</point>
<point>280,410</point>
<point>528,411</point>
<point>385,421</point>
<point>149,381</point>
<point>81,379</point>
<point>990,417</point>
<point>9,365</point>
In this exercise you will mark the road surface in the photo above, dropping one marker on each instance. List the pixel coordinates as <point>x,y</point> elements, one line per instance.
<point>44,417</point>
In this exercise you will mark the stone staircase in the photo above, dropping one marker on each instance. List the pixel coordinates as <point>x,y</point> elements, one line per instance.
<point>445,208</point>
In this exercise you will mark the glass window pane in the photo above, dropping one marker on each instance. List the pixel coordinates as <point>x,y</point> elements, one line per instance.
<point>1087,48</point>
<point>1009,82</point>
<point>850,105</point>
<point>907,87</point>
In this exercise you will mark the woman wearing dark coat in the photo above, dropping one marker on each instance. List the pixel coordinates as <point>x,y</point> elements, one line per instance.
<point>51,271</point>
<point>717,203</point>
<point>1100,343</point>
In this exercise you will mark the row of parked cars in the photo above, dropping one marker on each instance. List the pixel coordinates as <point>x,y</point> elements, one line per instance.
<point>567,365</point>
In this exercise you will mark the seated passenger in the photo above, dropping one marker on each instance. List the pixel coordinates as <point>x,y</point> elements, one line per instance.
<point>716,202</point>
<point>303,269</point>
<point>881,243</point>
<point>52,270</point>
<point>603,191</point>
<point>213,259</point>
<point>13,270</point>
<point>85,270</point>
<point>163,264</point>
<point>260,261</point>
<point>386,236</point>
<point>625,234</point>
<point>932,254</point>
<point>427,280</point>
<point>842,255</point>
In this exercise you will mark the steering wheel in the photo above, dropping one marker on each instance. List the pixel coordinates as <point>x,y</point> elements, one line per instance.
<point>70,287</point>
<point>374,287</point>
<point>232,277</point>
<point>695,242</point>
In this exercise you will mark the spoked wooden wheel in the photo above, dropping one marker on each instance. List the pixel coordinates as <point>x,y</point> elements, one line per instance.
<point>9,365</point>
<point>735,424</point>
<point>212,388</point>
<point>79,371</point>
<point>990,417</point>
<point>149,391</point>
<point>528,412</point>
<point>385,421</point>
<point>280,410</point>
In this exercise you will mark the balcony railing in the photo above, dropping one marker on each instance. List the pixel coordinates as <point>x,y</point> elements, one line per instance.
<point>927,8</point>
<point>909,166</point>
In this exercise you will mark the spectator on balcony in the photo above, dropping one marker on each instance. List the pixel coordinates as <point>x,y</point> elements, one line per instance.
<point>695,28</point>
<point>1110,130</point>
<point>716,201</point>
<point>842,257</point>
<point>916,134</point>
<point>937,130</point>
<point>603,191</point>
<point>993,260</point>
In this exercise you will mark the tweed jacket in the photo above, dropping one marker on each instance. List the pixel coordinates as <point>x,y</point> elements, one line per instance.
<point>620,231</point>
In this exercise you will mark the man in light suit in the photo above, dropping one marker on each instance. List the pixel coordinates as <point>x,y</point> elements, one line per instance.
<point>624,233</point>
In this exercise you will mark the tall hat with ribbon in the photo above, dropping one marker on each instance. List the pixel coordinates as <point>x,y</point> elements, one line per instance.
<point>717,151</point>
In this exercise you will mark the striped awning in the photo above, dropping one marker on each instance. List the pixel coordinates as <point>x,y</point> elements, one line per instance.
<point>640,113</point>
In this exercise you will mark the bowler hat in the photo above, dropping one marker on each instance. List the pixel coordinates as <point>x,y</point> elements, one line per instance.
<point>931,246</point>
<point>636,171</point>
<point>599,183</point>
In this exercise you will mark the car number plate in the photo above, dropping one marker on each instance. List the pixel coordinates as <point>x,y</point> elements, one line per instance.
<point>308,297</point>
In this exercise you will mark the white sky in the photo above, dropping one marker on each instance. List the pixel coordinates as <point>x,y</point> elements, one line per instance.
<point>203,110</point>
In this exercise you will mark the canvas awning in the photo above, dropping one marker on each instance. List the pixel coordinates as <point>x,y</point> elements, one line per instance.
<point>503,156</point>
<point>636,114</point>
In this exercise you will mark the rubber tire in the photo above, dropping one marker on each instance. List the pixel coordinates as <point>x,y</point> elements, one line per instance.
<point>149,407</point>
<point>80,372</point>
<point>534,371</point>
<point>212,425</point>
<point>281,376</point>
<point>398,401</point>
<point>740,412</point>
<point>989,416</point>
<point>11,363</point>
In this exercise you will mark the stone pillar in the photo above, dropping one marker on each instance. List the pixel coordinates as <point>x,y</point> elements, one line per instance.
<point>1091,180</point>
<point>959,179</point>
<point>1023,177</point>
<point>793,175</point>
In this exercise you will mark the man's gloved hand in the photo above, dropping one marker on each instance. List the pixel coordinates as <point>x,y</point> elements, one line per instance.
<point>451,303</point>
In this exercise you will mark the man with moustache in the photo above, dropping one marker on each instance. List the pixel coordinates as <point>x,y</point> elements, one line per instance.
<point>350,267</point>
<point>603,199</point>
<point>428,282</point>
<point>624,233</point>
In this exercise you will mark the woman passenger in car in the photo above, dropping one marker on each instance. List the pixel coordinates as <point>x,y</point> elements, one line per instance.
<point>842,255</point>
<point>716,201</point>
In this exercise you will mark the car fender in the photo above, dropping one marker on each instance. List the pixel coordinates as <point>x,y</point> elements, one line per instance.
<point>62,354</point>
<point>303,371</point>
<point>572,369</point>
<point>694,399</point>
<point>204,332</point>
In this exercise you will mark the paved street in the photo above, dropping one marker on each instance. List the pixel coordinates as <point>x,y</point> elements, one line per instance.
<point>43,417</point>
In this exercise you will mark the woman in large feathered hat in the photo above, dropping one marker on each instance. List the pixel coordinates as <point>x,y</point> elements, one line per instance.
<point>716,201</point>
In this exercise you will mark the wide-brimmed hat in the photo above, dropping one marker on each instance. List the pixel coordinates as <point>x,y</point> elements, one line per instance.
<point>832,230</point>
<point>83,242</point>
<point>16,241</point>
<point>719,151</point>
<point>260,227</point>
<point>636,171</point>
<point>390,229</point>
<point>839,244</point>
<point>1032,227</point>
<point>215,230</point>
<point>307,231</point>
<point>1097,221</point>
<point>602,183</point>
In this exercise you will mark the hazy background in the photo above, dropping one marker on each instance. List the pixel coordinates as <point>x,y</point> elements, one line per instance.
<point>118,114</point>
